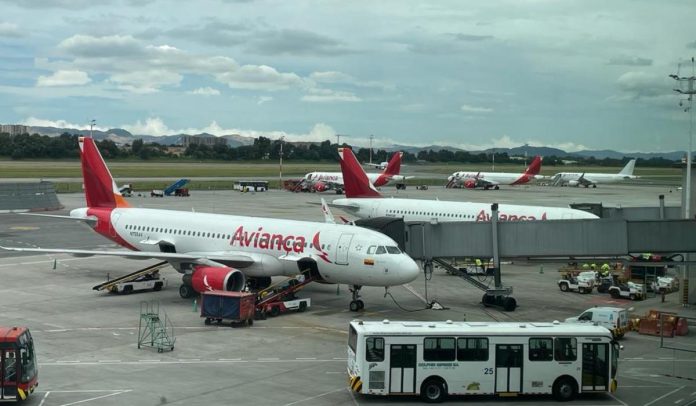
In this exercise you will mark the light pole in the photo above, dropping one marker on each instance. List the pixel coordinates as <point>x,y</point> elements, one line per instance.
<point>91,126</point>
<point>690,97</point>
<point>280,173</point>
<point>371,138</point>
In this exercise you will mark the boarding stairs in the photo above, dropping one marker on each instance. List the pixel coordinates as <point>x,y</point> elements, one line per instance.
<point>155,330</point>
<point>174,186</point>
<point>131,276</point>
<point>284,290</point>
<point>462,274</point>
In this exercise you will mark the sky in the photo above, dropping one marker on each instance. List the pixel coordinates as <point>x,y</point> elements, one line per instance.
<point>567,74</point>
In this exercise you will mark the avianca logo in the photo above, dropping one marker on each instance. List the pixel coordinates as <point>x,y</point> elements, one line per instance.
<point>483,216</point>
<point>317,245</point>
<point>268,241</point>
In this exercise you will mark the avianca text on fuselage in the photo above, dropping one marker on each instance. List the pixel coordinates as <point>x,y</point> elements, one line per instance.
<point>267,241</point>
<point>483,216</point>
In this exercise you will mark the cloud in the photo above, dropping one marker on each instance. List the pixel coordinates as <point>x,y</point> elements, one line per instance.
<point>295,42</point>
<point>95,47</point>
<point>629,61</point>
<point>146,81</point>
<point>642,85</point>
<point>205,91</point>
<point>473,109</point>
<point>64,78</point>
<point>264,99</point>
<point>258,78</point>
<point>10,30</point>
<point>344,78</point>
<point>470,37</point>
<point>214,32</point>
<point>39,122</point>
<point>318,95</point>
<point>72,4</point>
<point>691,45</point>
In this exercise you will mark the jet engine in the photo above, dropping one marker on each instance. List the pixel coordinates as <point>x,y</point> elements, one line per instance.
<point>470,183</point>
<point>205,278</point>
<point>320,187</point>
<point>573,183</point>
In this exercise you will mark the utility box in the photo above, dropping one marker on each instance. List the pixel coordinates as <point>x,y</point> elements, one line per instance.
<point>235,307</point>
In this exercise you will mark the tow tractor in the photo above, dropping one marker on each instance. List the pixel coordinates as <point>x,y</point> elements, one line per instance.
<point>628,290</point>
<point>280,298</point>
<point>572,284</point>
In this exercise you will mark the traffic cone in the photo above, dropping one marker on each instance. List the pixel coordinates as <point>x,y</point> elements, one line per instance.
<point>541,269</point>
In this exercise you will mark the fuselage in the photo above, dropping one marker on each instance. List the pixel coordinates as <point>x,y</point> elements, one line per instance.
<point>502,178</point>
<point>593,178</point>
<point>446,211</point>
<point>343,254</point>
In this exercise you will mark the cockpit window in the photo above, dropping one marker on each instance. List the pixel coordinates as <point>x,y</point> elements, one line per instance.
<point>371,249</point>
<point>381,250</point>
<point>393,250</point>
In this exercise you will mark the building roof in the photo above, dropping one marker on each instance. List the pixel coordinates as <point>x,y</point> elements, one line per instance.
<point>449,327</point>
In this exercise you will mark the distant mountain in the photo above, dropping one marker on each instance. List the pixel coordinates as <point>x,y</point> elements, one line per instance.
<point>529,151</point>
<point>607,153</point>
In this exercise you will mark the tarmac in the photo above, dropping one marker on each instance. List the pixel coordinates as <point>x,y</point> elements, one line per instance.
<point>86,341</point>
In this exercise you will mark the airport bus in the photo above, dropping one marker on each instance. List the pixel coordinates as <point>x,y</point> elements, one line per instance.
<point>436,359</point>
<point>18,366</point>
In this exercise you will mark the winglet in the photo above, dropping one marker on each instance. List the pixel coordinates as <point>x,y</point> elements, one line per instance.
<point>355,181</point>
<point>328,216</point>
<point>100,188</point>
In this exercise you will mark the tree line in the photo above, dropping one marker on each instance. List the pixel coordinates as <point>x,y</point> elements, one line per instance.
<point>37,146</point>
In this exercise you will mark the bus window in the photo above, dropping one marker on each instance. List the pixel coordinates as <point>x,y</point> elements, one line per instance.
<point>540,349</point>
<point>10,374</point>
<point>374,349</point>
<point>353,339</point>
<point>438,349</point>
<point>472,349</point>
<point>566,349</point>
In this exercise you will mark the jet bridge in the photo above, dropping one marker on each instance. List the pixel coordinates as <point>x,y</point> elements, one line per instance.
<point>539,240</point>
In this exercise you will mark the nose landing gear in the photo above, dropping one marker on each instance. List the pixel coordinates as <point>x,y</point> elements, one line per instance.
<point>356,304</point>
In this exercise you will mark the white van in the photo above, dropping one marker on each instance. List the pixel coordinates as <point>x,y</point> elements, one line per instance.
<point>613,318</point>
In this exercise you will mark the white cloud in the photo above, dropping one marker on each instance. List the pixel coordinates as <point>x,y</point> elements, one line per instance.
<point>64,78</point>
<point>39,122</point>
<point>146,81</point>
<point>152,126</point>
<point>10,30</point>
<point>474,109</point>
<point>318,95</point>
<point>259,78</point>
<point>205,91</point>
<point>264,99</point>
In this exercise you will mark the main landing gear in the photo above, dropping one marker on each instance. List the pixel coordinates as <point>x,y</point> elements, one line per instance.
<point>356,304</point>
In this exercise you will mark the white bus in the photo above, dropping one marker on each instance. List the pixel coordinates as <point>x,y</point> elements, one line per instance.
<point>436,359</point>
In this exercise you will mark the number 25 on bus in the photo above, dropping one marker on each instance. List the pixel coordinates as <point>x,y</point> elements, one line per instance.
<point>436,359</point>
<point>18,372</point>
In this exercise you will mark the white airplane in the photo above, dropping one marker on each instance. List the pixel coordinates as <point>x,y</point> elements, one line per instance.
<point>322,181</point>
<point>592,179</point>
<point>364,201</point>
<point>218,252</point>
<point>488,180</point>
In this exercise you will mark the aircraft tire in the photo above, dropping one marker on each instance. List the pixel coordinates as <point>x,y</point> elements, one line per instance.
<point>361,304</point>
<point>353,306</point>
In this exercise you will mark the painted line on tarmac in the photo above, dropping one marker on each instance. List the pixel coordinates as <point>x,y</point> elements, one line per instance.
<point>665,395</point>
<point>181,362</point>
<point>314,397</point>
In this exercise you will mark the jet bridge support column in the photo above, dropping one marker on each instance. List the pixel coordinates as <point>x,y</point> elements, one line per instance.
<point>499,296</point>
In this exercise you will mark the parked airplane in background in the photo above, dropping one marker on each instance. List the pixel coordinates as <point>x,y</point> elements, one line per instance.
<point>592,179</point>
<point>322,181</point>
<point>216,252</point>
<point>364,201</point>
<point>488,180</point>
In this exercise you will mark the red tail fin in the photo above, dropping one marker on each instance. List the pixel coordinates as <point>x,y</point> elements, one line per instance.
<point>355,181</point>
<point>394,165</point>
<point>100,188</point>
<point>534,167</point>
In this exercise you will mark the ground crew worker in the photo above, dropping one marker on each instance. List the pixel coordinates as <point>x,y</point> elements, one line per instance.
<point>479,264</point>
<point>593,266</point>
<point>605,269</point>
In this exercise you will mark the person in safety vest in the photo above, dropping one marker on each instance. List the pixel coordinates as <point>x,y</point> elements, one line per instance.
<point>605,269</point>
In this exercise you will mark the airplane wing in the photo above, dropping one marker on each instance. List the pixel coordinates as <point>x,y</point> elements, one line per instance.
<point>583,181</point>
<point>328,216</point>
<point>88,219</point>
<point>345,206</point>
<point>231,258</point>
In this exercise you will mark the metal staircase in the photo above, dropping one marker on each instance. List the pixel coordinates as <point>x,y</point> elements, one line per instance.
<point>462,274</point>
<point>154,330</point>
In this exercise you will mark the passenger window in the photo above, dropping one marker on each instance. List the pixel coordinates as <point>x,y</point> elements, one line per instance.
<point>540,349</point>
<point>438,349</point>
<point>374,349</point>
<point>566,349</point>
<point>371,249</point>
<point>472,349</point>
<point>381,250</point>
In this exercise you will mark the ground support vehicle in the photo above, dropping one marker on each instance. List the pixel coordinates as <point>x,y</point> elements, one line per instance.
<point>436,359</point>
<point>613,318</point>
<point>237,308</point>
<point>628,290</point>
<point>182,192</point>
<point>151,281</point>
<point>572,284</point>
<point>157,193</point>
<point>18,365</point>
<point>280,297</point>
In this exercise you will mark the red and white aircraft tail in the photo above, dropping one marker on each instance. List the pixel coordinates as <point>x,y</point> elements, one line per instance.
<point>355,180</point>
<point>100,188</point>
<point>391,171</point>
<point>530,173</point>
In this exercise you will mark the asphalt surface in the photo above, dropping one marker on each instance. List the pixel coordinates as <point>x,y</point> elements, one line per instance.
<point>86,340</point>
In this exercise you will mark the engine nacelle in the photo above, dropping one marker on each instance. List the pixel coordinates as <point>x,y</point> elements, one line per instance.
<point>573,183</point>
<point>207,278</point>
<point>320,186</point>
<point>470,183</point>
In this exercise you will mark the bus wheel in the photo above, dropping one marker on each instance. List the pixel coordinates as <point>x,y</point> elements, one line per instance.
<point>564,389</point>
<point>433,391</point>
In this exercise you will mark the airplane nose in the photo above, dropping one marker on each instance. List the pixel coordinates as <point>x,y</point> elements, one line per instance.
<point>408,269</point>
